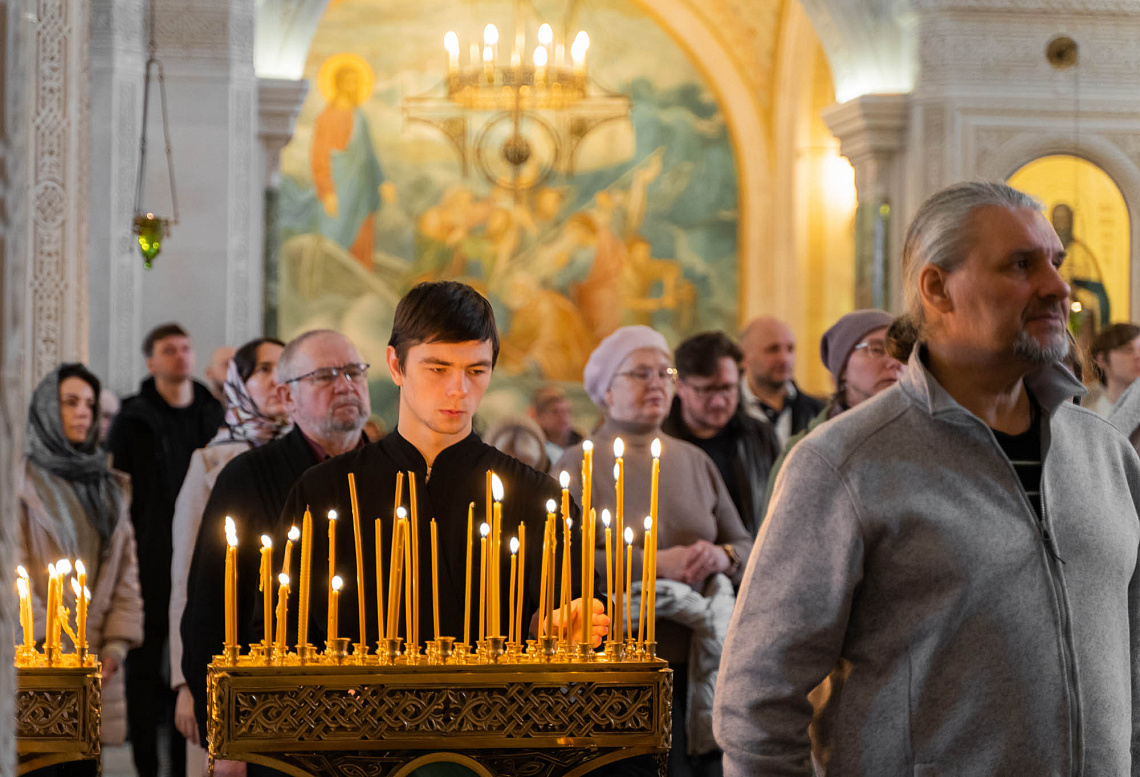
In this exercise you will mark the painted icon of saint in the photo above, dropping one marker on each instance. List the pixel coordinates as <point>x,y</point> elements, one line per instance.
<point>1081,269</point>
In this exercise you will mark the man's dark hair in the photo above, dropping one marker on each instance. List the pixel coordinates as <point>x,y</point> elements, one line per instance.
<point>1111,338</point>
<point>246,357</point>
<point>443,312</point>
<point>161,332</point>
<point>701,354</point>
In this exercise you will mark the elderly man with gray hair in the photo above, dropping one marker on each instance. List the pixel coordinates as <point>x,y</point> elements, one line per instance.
<point>966,541</point>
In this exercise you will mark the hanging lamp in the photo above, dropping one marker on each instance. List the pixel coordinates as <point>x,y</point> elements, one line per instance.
<point>150,230</point>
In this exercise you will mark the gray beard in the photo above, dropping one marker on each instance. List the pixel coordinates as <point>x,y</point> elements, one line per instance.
<point>1034,352</point>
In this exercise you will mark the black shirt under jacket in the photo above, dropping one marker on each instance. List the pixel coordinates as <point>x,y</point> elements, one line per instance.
<point>458,477</point>
<point>252,489</point>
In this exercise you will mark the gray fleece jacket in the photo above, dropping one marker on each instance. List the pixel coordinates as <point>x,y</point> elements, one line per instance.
<point>982,640</point>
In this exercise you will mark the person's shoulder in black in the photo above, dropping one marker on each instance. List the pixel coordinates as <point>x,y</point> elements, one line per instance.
<point>805,407</point>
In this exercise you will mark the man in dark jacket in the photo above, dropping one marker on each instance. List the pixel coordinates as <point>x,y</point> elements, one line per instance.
<point>707,413</point>
<point>770,393</point>
<point>151,440</point>
<point>324,387</point>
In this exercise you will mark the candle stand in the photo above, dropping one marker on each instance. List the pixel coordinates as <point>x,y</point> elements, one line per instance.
<point>57,710</point>
<point>386,717</point>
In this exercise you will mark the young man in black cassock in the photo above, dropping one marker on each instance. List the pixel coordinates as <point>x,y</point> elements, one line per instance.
<point>443,347</point>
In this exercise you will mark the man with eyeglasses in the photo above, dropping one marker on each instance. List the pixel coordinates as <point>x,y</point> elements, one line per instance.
<point>706,412</point>
<point>323,384</point>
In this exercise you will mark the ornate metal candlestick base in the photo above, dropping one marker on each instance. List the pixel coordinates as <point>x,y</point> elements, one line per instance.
<point>337,649</point>
<point>360,653</point>
<point>495,648</point>
<point>57,713</point>
<point>444,649</point>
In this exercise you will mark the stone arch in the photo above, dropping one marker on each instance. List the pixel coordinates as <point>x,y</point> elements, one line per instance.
<point>1097,149</point>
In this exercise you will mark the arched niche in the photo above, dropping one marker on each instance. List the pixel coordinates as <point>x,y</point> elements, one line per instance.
<point>1099,150</point>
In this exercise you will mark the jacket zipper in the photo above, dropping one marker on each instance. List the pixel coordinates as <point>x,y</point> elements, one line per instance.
<point>1053,562</point>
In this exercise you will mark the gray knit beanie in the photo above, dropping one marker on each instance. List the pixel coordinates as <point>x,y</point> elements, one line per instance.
<point>836,344</point>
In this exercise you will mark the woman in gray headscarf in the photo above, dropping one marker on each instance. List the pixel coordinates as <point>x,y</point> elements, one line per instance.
<point>74,506</point>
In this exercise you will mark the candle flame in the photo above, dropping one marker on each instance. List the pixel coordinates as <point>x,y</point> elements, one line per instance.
<point>401,513</point>
<point>79,568</point>
<point>451,43</point>
<point>648,523</point>
<point>21,571</point>
<point>580,45</point>
<point>488,55</point>
<point>587,446</point>
<point>540,56</point>
<point>75,587</point>
<point>86,593</point>
<point>294,534</point>
<point>484,529</point>
<point>231,540</point>
<point>337,582</point>
<point>606,517</point>
<point>266,542</point>
<point>619,448</point>
<point>514,545</point>
<point>496,487</point>
<point>617,471</point>
<point>332,515</point>
<point>63,567</point>
<point>628,535</point>
<point>231,527</point>
<point>545,34</point>
<point>655,448</point>
<point>283,579</point>
<point>563,480</point>
<point>490,35</point>
<point>551,505</point>
<point>22,586</point>
<point>569,523</point>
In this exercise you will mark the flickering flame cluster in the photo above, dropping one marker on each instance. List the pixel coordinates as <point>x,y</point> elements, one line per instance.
<point>556,638</point>
<point>58,617</point>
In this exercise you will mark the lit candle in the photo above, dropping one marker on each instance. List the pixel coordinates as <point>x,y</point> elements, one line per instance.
<point>358,542</point>
<point>414,549</point>
<point>332,544</point>
<point>396,570</point>
<point>511,590</point>
<point>62,570</point>
<point>293,536</point>
<point>651,611</point>
<point>434,579</point>
<point>578,51</point>
<point>81,573</point>
<point>409,632</point>
<point>379,536</point>
<point>282,611</point>
<point>547,542</point>
<point>451,44</point>
<point>52,613</point>
<point>540,58</point>
<point>566,594</point>
<point>655,451</point>
<point>490,43</point>
<point>306,578</point>
<point>265,584</point>
<point>484,530</point>
<point>495,591</point>
<point>231,583</point>
<point>334,606</point>
<point>519,636</point>
<point>609,567</point>
<point>24,586</point>
<point>80,611</point>
<point>645,582</point>
<point>467,577</point>
<point>545,37</point>
<point>628,581</point>
<point>587,477</point>
<point>619,533</point>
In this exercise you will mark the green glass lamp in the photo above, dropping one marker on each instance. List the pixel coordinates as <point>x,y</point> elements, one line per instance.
<point>150,231</point>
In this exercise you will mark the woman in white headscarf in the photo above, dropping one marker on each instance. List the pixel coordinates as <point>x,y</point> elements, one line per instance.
<point>254,416</point>
<point>74,506</point>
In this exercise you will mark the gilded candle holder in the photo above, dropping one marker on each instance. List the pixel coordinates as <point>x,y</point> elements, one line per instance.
<point>650,651</point>
<point>391,650</point>
<point>444,649</point>
<point>337,649</point>
<point>360,653</point>
<point>461,653</point>
<point>586,652</point>
<point>81,655</point>
<point>260,654</point>
<point>307,654</point>
<point>412,655</point>
<point>496,647</point>
<point>230,653</point>
<point>26,655</point>
<point>615,650</point>
<point>631,653</point>
<point>549,648</point>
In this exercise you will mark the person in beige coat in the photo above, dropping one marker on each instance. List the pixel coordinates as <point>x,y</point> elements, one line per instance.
<point>254,415</point>
<point>74,506</point>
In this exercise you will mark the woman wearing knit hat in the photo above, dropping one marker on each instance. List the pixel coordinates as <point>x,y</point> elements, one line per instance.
<point>630,377</point>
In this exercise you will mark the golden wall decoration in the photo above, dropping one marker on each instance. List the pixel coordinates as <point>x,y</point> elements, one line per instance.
<point>383,721</point>
<point>57,715</point>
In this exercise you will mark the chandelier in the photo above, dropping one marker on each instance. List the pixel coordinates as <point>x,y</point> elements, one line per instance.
<point>520,115</point>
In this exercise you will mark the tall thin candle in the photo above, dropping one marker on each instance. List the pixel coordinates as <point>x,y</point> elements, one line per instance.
<point>628,581</point>
<point>293,536</point>
<point>282,611</point>
<point>414,588</point>
<point>619,534</point>
<point>358,541</point>
<point>547,541</point>
<point>511,590</point>
<point>395,574</point>
<point>334,607</point>
<point>306,578</point>
<point>467,576</point>
<point>609,569</point>
<point>434,579</point>
<point>641,626</point>
<point>332,546</point>
<point>80,613</point>
<point>52,614</point>
<point>231,582</point>
<point>651,612</point>
<point>566,593</point>
<point>379,539</point>
<point>519,636</point>
<point>484,530</point>
<point>265,584</point>
<point>495,591</point>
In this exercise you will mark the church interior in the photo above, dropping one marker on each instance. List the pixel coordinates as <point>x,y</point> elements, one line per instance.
<point>266,168</point>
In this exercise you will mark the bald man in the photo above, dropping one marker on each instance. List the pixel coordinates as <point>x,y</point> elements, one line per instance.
<point>769,391</point>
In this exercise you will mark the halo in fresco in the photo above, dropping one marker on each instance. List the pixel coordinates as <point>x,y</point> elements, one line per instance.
<point>643,229</point>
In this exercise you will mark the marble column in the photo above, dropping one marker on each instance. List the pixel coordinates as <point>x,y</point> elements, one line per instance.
<point>872,131</point>
<point>278,102</point>
<point>118,59</point>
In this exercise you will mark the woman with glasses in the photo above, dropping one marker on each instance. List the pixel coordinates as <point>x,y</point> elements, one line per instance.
<point>254,416</point>
<point>630,377</point>
<point>73,505</point>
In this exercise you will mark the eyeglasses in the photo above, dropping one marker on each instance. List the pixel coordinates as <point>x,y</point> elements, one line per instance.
<point>876,349</point>
<point>645,375</point>
<point>324,377</point>
<point>717,390</point>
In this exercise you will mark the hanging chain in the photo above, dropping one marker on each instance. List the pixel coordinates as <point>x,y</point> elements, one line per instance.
<point>153,62</point>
